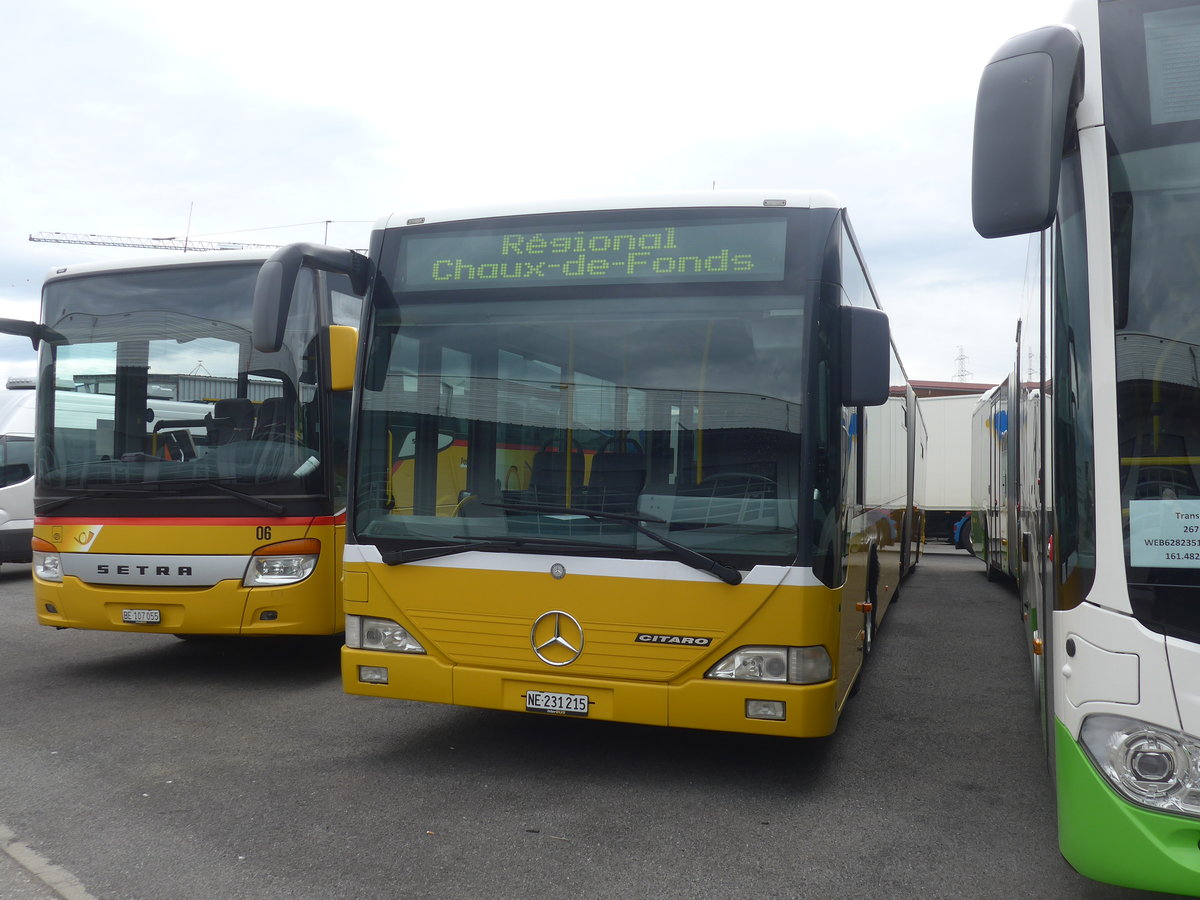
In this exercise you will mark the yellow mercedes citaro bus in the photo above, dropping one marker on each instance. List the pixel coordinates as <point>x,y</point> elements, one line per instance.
<point>613,459</point>
<point>186,483</point>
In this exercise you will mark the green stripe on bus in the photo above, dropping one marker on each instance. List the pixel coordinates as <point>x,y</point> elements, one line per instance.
<point>1107,838</point>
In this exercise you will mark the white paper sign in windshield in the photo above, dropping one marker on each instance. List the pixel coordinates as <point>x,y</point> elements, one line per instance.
<point>1164,534</point>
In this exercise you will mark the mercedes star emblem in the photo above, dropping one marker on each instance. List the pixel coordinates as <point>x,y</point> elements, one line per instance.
<point>557,638</point>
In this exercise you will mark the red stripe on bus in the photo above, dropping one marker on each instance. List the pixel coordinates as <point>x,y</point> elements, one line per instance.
<point>339,519</point>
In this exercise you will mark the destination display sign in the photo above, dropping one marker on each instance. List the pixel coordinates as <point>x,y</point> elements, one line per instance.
<point>635,253</point>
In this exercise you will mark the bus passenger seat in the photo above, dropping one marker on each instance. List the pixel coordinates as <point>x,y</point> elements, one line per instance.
<point>232,420</point>
<point>617,479</point>
<point>274,420</point>
<point>548,480</point>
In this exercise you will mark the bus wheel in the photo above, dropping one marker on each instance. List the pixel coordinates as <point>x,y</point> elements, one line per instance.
<point>868,639</point>
<point>869,616</point>
<point>871,626</point>
<point>987,557</point>
<point>869,620</point>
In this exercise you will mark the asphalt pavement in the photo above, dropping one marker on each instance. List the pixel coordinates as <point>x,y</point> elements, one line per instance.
<point>932,786</point>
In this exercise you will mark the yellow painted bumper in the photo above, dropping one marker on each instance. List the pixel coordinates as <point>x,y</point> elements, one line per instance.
<point>226,608</point>
<point>696,703</point>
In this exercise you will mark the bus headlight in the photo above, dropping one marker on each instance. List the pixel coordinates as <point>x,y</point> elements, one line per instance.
<point>284,563</point>
<point>783,665</point>
<point>47,562</point>
<point>1148,764</point>
<point>368,633</point>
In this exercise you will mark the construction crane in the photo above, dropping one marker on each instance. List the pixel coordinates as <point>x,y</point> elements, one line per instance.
<point>166,243</point>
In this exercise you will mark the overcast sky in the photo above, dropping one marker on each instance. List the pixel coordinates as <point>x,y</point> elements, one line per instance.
<point>264,121</point>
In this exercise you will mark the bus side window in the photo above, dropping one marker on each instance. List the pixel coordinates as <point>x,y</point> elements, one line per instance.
<point>16,460</point>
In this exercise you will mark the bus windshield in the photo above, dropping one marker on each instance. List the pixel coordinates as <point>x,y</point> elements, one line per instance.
<point>1154,131</point>
<point>552,417</point>
<point>159,386</point>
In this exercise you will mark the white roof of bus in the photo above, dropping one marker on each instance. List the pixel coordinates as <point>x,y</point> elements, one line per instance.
<point>163,260</point>
<point>756,198</point>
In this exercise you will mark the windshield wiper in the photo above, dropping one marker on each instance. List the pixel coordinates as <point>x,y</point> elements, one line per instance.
<point>46,506</point>
<point>163,488</point>
<point>684,554</point>
<point>396,557</point>
<point>262,502</point>
<point>193,484</point>
<point>501,542</point>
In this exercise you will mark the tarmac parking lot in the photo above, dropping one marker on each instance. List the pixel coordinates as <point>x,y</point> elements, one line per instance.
<point>138,767</point>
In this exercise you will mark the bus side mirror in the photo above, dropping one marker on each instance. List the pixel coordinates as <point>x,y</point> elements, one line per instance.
<point>1027,94</point>
<point>866,356</point>
<point>35,331</point>
<point>277,280</point>
<point>272,299</point>
<point>343,348</point>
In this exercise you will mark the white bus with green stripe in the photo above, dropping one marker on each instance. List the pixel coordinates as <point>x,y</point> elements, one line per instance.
<point>1087,135</point>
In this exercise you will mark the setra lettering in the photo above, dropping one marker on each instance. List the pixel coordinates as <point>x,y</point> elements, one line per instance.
<point>127,569</point>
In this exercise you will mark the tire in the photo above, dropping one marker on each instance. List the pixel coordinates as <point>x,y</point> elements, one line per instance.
<point>870,619</point>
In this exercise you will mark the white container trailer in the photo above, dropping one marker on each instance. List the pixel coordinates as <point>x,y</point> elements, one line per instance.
<point>948,471</point>
<point>895,471</point>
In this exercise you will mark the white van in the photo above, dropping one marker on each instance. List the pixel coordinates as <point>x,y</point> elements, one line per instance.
<point>17,405</point>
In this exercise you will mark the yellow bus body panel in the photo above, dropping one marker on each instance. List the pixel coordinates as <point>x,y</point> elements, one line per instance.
<point>476,627</point>
<point>312,606</point>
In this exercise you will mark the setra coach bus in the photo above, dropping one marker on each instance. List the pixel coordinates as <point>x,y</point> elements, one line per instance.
<point>646,459</point>
<point>1087,135</point>
<point>186,483</point>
